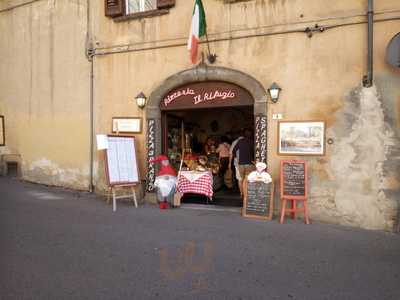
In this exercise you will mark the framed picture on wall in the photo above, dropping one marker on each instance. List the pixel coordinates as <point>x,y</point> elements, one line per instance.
<point>2,132</point>
<point>301,138</point>
<point>126,125</point>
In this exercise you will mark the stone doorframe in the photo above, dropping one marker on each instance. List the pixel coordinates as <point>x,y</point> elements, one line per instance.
<point>202,73</point>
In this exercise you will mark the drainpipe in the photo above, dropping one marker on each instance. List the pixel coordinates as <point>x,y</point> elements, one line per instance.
<point>91,186</point>
<point>368,79</point>
<point>90,56</point>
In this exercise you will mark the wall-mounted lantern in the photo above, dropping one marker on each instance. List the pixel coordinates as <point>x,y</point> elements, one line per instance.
<point>141,100</point>
<point>274,91</point>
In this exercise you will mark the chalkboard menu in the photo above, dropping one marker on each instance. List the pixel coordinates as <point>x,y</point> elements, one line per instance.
<point>121,165</point>
<point>293,179</point>
<point>258,200</point>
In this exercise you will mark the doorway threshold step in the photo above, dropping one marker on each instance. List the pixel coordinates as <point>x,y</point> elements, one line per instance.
<point>210,207</point>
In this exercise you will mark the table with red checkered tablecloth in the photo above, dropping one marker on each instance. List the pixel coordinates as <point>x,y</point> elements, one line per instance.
<point>195,183</point>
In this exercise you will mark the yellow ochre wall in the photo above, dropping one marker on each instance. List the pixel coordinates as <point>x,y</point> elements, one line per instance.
<point>44,90</point>
<point>320,77</point>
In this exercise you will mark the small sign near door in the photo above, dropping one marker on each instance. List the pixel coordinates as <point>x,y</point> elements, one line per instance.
<point>126,125</point>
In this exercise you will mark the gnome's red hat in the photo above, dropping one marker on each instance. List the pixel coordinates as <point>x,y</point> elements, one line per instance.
<point>164,169</point>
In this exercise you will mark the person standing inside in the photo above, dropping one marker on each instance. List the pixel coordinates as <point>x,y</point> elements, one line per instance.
<point>210,143</point>
<point>223,154</point>
<point>245,146</point>
<point>235,159</point>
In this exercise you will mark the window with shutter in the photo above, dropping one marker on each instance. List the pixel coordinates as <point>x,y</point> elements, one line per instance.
<point>165,3</point>
<point>114,8</point>
<point>135,6</point>
<point>132,9</point>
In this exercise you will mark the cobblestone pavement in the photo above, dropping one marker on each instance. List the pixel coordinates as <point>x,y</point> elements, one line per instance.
<point>59,244</point>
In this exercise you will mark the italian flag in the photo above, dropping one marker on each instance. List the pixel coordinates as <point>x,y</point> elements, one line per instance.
<point>197,30</point>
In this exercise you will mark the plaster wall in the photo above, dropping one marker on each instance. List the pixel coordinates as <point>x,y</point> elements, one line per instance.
<point>45,84</point>
<point>44,90</point>
<point>320,76</point>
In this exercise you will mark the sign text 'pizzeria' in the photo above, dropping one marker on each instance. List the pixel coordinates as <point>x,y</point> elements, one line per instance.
<point>206,94</point>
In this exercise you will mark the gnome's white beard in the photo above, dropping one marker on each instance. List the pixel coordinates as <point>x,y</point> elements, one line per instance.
<point>165,183</point>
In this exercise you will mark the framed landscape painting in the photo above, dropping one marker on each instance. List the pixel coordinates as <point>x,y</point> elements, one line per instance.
<point>301,138</point>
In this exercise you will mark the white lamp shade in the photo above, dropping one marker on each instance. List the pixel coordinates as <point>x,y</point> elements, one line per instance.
<point>141,100</point>
<point>274,91</point>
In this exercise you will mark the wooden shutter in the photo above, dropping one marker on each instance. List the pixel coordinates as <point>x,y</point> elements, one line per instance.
<point>114,8</point>
<point>165,3</point>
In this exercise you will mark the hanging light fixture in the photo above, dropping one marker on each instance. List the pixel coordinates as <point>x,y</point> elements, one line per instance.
<point>141,100</point>
<point>274,91</point>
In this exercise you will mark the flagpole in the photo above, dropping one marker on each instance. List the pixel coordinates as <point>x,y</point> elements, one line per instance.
<point>208,44</point>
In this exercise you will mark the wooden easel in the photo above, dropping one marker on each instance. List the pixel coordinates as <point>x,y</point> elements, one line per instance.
<point>294,189</point>
<point>112,190</point>
<point>114,179</point>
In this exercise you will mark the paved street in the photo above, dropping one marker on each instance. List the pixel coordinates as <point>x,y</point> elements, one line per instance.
<point>58,244</point>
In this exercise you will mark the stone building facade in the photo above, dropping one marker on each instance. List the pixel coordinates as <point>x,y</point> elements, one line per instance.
<point>69,66</point>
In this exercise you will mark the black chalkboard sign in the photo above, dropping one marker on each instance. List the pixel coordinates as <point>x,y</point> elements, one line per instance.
<point>294,179</point>
<point>258,200</point>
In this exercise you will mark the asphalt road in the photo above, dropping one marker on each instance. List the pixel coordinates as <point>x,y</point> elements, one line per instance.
<point>58,244</point>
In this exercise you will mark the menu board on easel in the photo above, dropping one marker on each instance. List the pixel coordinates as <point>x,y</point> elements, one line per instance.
<point>121,162</point>
<point>294,179</point>
<point>258,200</point>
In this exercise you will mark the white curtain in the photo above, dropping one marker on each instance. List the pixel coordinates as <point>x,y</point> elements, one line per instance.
<point>134,6</point>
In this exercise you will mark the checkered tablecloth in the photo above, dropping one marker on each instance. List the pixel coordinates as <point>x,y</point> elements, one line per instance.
<point>196,183</point>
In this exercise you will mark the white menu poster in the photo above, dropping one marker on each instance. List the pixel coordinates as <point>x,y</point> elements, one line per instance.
<point>121,160</point>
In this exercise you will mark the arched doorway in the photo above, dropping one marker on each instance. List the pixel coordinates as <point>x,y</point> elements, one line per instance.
<point>198,74</point>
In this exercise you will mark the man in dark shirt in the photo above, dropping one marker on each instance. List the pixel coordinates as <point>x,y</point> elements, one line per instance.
<point>246,156</point>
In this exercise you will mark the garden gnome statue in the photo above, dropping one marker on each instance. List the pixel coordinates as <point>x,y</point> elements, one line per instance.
<point>165,182</point>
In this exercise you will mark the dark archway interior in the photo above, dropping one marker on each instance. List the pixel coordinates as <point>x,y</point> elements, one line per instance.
<point>190,129</point>
<point>199,73</point>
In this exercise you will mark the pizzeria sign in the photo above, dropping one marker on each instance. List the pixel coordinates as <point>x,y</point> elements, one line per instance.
<point>206,94</point>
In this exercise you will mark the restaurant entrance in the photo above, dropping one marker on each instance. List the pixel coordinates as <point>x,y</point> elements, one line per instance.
<point>205,135</point>
<point>199,123</point>
<point>194,103</point>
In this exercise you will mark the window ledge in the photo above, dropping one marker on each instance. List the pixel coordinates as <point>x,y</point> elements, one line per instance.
<point>143,14</point>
